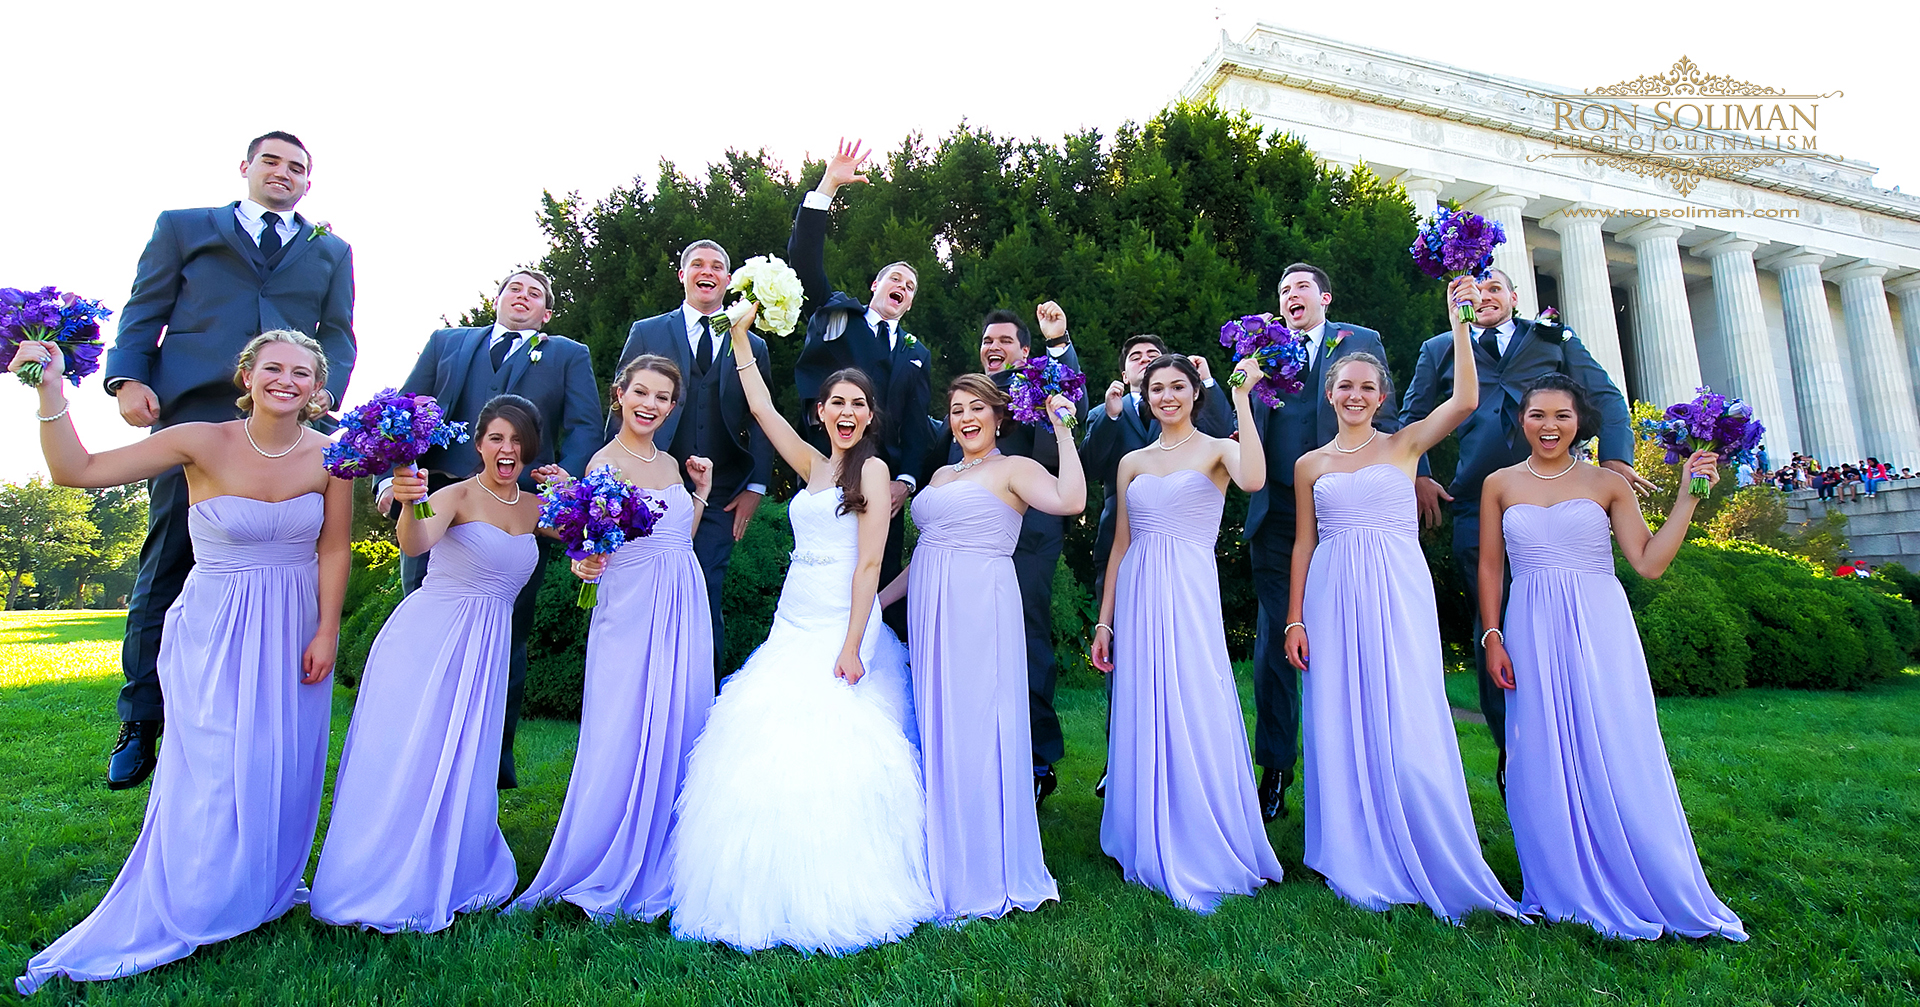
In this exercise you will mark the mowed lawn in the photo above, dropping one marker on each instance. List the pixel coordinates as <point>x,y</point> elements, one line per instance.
<point>1805,806</point>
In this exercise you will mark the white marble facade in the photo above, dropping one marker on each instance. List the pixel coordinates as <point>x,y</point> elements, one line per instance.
<point>1795,286</point>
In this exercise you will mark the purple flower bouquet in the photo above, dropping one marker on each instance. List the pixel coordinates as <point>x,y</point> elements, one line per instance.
<point>1455,242</point>
<point>595,516</point>
<point>392,429</point>
<point>1709,422</point>
<point>1037,380</point>
<point>1281,353</point>
<point>51,316</point>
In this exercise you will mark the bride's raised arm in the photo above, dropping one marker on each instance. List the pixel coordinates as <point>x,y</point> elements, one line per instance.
<point>786,440</point>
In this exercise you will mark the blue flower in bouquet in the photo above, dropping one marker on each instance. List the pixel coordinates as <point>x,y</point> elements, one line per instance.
<point>48,315</point>
<point>1710,422</point>
<point>1455,242</point>
<point>1281,352</point>
<point>1037,380</point>
<point>390,430</point>
<point>596,515</point>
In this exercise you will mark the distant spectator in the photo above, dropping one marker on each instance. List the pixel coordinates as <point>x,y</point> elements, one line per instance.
<point>1843,570</point>
<point>1905,473</point>
<point>1874,475</point>
<point>1850,484</point>
<point>1862,570</point>
<point>1828,481</point>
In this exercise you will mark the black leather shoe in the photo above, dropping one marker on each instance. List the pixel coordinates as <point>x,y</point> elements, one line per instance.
<point>1100,789</point>
<point>1273,803</point>
<point>1044,783</point>
<point>133,760</point>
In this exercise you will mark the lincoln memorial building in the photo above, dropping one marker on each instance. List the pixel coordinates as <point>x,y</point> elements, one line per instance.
<point>1793,284</point>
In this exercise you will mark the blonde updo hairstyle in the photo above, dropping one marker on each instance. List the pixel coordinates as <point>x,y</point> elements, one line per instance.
<point>249,357</point>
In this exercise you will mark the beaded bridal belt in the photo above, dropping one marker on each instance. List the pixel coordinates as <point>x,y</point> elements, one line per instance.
<point>806,557</point>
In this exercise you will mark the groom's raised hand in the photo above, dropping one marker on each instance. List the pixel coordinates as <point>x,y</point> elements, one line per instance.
<point>843,167</point>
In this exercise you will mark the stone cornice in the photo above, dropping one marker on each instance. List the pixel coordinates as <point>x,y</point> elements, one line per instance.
<point>1506,104</point>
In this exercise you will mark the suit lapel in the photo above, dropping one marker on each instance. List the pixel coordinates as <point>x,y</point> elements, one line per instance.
<point>518,362</point>
<point>300,242</point>
<point>227,226</point>
<point>463,363</point>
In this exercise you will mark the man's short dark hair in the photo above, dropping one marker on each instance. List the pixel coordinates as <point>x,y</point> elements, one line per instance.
<point>1319,275</point>
<point>253,146</point>
<point>1150,339</point>
<point>1001,316</point>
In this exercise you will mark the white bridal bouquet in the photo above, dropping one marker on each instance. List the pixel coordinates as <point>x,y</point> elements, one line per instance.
<point>775,287</point>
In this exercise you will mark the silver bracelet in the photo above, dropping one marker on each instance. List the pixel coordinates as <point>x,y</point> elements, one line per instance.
<point>1289,627</point>
<point>748,363</point>
<point>1490,631</point>
<point>1101,625</point>
<point>55,416</point>
<point>696,496</point>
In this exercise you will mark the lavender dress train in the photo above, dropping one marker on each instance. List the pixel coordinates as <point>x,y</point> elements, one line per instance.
<point>236,794</point>
<point>415,832</point>
<point>1181,816</point>
<point>1596,818</point>
<point>1387,817</point>
<point>970,695</point>
<point>649,684</point>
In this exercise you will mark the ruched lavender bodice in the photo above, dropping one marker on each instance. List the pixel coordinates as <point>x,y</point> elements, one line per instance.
<point>963,516</point>
<point>1377,498</point>
<point>1565,538</point>
<point>673,532</point>
<point>1185,505</point>
<point>234,534</point>
<point>480,560</point>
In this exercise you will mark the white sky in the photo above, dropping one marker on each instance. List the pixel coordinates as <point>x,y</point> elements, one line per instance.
<point>434,127</point>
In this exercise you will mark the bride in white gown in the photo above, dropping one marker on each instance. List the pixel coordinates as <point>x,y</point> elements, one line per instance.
<point>802,820</point>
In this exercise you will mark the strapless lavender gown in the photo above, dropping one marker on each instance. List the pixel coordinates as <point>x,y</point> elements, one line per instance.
<point>1181,815</point>
<point>968,642</point>
<point>236,794</point>
<point>1387,817</point>
<point>415,833</point>
<point>1596,818</point>
<point>649,684</point>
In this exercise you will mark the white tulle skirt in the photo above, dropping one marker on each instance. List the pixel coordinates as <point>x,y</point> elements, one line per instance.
<point>803,819</point>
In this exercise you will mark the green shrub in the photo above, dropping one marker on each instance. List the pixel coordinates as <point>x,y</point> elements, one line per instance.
<point>1755,514</point>
<point>1823,541</point>
<point>754,577</point>
<point>557,642</point>
<point>373,589</point>
<point>1694,641</point>
<point>1902,580</point>
<point>1075,610</point>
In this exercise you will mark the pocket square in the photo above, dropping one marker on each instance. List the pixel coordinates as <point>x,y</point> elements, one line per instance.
<point>918,363</point>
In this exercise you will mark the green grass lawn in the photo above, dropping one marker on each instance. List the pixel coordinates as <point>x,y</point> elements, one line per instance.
<point>1806,808</point>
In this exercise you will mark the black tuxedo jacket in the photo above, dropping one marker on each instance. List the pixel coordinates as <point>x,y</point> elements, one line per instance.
<point>203,284</point>
<point>1023,440</point>
<point>744,456</point>
<point>560,385</point>
<point>1490,438</point>
<point>838,336</point>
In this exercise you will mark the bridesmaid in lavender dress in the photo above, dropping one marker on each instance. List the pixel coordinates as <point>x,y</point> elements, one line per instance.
<point>248,650</point>
<point>1597,820</point>
<point>1181,815</point>
<point>1387,818</point>
<point>969,657</point>
<point>415,832</point>
<point>649,678</point>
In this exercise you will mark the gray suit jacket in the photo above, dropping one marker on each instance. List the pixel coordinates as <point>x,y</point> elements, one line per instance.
<point>202,284</point>
<point>560,385</point>
<point>745,456</point>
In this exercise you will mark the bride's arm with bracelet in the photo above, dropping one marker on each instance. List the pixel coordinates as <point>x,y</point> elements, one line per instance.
<point>866,571</point>
<point>792,447</point>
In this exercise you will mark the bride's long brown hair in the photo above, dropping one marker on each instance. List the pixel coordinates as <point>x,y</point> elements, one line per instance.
<point>852,500</point>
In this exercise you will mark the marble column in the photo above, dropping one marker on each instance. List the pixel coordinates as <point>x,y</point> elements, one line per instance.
<point>1743,326</point>
<point>1826,415</point>
<point>1585,291</point>
<point>1424,191</point>
<point>1889,427</point>
<point>1504,206</point>
<point>1907,288</point>
<point>1663,345</point>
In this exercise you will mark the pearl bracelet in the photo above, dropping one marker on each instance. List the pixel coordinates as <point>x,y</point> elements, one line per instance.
<point>1289,626</point>
<point>1101,625</point>
<point>55,416</point>
<point>1490,631</point>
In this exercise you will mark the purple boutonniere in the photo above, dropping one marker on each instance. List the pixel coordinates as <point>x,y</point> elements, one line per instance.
<point>319,229</point>
<point>1338,337</point>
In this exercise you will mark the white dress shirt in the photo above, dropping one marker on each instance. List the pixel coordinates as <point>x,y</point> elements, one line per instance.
<point>248,213</point>
<point>1503,333</point>
<point>521,338</point>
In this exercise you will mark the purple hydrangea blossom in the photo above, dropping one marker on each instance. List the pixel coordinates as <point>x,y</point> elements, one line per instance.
<point>596,516</point>
<point>392,429</point>
<point>1455,242</point>
<point>1710,422</point>
<point>49,315</point>
<point>1282,355</point>
<point>1035,381</point>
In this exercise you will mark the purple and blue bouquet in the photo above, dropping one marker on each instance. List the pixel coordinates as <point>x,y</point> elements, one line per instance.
<point>1709,422</point>
<point>392,429</point>
<point>1281,353</point>
<point>48,315</point>
<point>1455,242</point>
<point>595,516</point>
<point>1037,380</point>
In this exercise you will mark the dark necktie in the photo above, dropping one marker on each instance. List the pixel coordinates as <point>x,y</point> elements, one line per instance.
<point>270,234</point>
<point>704,359</point>
<point>1490,341</point>
<point>886,340</point>
<point>502,347</point>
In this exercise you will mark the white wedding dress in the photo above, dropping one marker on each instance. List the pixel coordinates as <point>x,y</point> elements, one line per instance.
<point>802,820</point>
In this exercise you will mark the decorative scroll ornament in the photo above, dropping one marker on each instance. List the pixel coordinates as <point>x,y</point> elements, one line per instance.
<point>1685,79</point>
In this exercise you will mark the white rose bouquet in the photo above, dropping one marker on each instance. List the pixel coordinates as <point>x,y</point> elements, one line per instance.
<point>775,287</point>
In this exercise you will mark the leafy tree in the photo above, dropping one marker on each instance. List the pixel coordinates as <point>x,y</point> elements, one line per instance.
<point>41,527</point>
<point>104,569</point>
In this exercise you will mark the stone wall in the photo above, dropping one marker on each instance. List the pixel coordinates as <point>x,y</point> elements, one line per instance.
<point>1881,529</point>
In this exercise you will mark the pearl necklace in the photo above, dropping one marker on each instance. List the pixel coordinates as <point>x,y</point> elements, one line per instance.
<point>482,483</point>
<point>1571,462</point>
<point>1164,446</point>
<point>247,426</point>
<point>645,458</point>
<point>1353,450</point>
<point>962,466</point>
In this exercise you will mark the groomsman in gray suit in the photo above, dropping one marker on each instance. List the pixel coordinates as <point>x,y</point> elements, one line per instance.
<point>208,281</point>
<point>462,368</point>
<point>1510,354</point>
<point>712,419</point>
<point>1305,421</point>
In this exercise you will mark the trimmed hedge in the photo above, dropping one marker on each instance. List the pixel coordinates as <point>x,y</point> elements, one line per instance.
<point>373,589</point>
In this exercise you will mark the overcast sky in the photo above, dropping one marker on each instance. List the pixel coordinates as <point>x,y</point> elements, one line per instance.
<point>434,127</point>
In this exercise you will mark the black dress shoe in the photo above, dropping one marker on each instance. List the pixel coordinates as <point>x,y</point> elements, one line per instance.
<point>133,760</point>
<point>1044,783</point>
<point>1273,803</point>
<point>1100,789</point>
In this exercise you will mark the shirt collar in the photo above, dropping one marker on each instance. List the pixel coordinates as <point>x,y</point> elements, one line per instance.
<point>252,211</point>
<point>893,326</point>
<point>501,330</point>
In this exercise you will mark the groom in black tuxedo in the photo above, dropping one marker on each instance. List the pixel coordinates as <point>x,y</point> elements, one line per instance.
<point>463,368</point>
<point>1305,421</point>
<point>842,332</point>
<point>210,280</point>
<point>1509,354</point>
<point>711,419</point>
